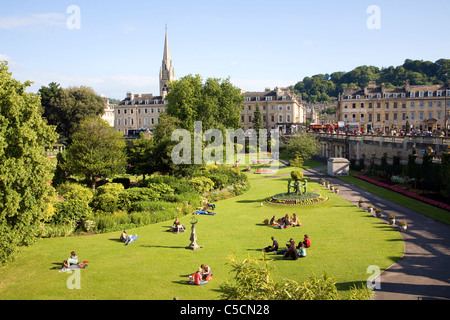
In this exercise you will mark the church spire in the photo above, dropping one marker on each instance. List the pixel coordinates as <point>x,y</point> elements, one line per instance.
<point>167,72</point>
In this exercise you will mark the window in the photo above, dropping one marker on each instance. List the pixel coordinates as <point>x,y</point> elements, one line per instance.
<point>421,116</point>
<point>386,105</point>
<point>152,120</point>
<point>268,98</point>
<point>272,118</point>
<point>413,116</point>
<point>421,104</point>
<point>370,105</point>
<point>131,122</point>
<point>131,111</point>
<point>125,111</point>
<point>403,95</point>
<point>395,116</point>
<point>283,98</point>
<point>395,105</point>
<point>152,110</point>
<point>439,93</point>
<point>386,95</point>
<point>412,94</point>
<point>288,107</point>
<point>378,95</point>
<point>242,119</point>
<point>420,94</point>
<point>248,99</point>
<point>430,93</point>
<point>413,104</point>
<point>403,116</point>
<point>353,117</point>
<point>264,107</point>
<point>124,122</point>
<point>345,118</point>
<point>404,105</point>
<point>280,108</point>
<point>394,95</point>
<point>345,106</point>
<point>349,97</point>
<point>447,93</point>
<point>358,97</point>
<point>118,111</point>
<point>370,117</point>
<point>145,121</point>
<point>249,118</point>
<point>139,111</point>
<point>118,122</point>
<point>145,110</point>
<point>353,105</point>
<point>439,116</point>
<point>439,104</point>
<point>369,96</point>
<point>264,118</point>
<point>362,105</point>
<point>378,104</point>
<point>386,116</point>
<point>362,117</point>
<point>288,118</point>
<point>249,108</point>
<point>430,104</point>
<point>280,118</point>
<point>257,98</point>
<point>378,117</point>
<point>430,115</point>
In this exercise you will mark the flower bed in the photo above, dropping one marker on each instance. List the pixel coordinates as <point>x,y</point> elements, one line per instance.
<point>265,171</point>
<point>285,199</point>
<point>405,192</point>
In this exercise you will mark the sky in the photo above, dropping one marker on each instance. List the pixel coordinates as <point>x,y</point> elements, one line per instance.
<point>117,47</point>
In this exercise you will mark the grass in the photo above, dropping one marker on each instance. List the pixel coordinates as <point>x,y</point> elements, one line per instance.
<point>419,206</point>
<point>345,242</point>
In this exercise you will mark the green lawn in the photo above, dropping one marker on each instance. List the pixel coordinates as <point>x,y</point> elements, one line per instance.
<point>345,242</point>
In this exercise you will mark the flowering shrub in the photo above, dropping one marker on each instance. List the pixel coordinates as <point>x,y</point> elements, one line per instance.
<point>405,192</point>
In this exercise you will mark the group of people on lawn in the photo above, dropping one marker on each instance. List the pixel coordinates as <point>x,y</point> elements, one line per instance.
<point>284,222</point>
<point>292,251</point>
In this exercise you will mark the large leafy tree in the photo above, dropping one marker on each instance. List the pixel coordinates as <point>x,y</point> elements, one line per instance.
<point>25,169</point>
<point>65,108</point>
<point>216,103</point>
<point>302,144</point>
<point>96,151</point>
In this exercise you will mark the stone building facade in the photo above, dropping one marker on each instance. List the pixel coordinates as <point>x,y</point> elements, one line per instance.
<point>280,108</point>
<point>412,107</point>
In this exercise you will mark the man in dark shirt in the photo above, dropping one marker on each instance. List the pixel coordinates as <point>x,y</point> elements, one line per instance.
<point>273,247</point>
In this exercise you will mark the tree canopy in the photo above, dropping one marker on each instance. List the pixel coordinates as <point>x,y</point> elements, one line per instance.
<point>25,169</point>
<point>65,108</point>
<point>96,151</point>
<point>322,87</point>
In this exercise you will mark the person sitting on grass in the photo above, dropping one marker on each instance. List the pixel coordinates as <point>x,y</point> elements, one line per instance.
<point>206,272</point>
<point>196,278</point>
<point>123,236</point>
<point>273,247</point>
<point>177,226</point>
<point>295,221</point>
<point>301,250</point>
<point>291,251</point>
<point>273,221</point>
<point>307,241</point>
<point>73,258</point>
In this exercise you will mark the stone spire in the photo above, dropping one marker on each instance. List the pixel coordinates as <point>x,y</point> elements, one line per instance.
<point>167,72</point>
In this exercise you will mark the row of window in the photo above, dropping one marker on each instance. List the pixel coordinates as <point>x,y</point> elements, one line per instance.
<point>272,107</point>
<point>144,102</point>
<point>412,94</point>
<point>404,116</point>
<point>152,110</point>
<point>403,105</point>
<point>130,121</point>
<point>269,98</point>
<point>272,118</point>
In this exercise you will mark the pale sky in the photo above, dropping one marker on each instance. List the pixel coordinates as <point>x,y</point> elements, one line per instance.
<point>117,46</point>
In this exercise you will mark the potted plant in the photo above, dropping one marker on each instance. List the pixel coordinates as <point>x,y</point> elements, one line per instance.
<point>403,225</point>
<point>391,219</point>
<point>332,187</point>
<point>336,190</point>
<point>378,213</point>
<point>370,208</point>
<point>360,203</point>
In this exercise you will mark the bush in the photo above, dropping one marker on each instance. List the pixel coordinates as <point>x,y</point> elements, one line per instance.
<point>202,184</point>
<point>107,198</point>
<point>71,211</point>
<point>124,181</point>
<point>75,191</point>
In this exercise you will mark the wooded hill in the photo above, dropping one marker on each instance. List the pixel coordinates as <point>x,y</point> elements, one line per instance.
<point>321,87</point>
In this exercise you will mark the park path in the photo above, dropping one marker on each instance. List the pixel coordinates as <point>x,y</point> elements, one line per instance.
<point>423,273</point>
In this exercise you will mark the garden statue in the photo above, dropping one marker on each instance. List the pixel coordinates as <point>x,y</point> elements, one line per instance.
<point>193,238</point>
<point>296,175</point>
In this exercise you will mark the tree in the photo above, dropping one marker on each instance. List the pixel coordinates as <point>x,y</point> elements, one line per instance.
<point>65,108</point>
<point>96,151</point>
<point>25,169</point>
<point>140,156</point>
<point>302,144</point>
<point>216,103</point>
<point>257,123</point>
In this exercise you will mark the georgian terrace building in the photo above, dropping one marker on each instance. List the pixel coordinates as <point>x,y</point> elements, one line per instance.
<point>280,108</point>
<point>377,108</point>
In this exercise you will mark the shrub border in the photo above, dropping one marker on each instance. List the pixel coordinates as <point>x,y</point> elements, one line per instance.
<point>404,192</point>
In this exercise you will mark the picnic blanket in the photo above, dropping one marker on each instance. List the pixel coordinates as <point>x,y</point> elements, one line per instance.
<point>209,213</point>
